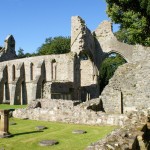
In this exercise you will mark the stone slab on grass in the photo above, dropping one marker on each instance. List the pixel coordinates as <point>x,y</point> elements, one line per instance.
<point>40,128</point>
<point>48,142</point>
<point>79,132</point>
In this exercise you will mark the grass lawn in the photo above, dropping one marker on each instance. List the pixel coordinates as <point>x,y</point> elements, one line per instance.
<point>25,136</point>
<point>7,106</point>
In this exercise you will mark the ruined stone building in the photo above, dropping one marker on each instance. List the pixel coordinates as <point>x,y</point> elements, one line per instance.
<point>72,76</point>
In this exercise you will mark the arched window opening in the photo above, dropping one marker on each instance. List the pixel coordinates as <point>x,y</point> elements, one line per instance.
<point>108,67</point>
<point>42,89</point>
<point>53,70</point>
<point>31,71</point>
<point>83,56</point>
<point>23,93</point>
<point>13,72</point>
<point>6,92</point>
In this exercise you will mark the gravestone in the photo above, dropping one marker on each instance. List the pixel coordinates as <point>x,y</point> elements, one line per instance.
<point>4,124</point>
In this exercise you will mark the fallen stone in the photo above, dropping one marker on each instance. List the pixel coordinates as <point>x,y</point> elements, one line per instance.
<point>40,128</point>
<point>110,147</point>
<point>48,142</point>
<point>34,104</point>
<point>79,132</point>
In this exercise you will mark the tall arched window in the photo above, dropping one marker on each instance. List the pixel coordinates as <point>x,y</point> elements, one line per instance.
<point>31,71</point>
<point>53,73</point>
<point>13,72</point>
<point>42,89</point>
<point>83,56</point>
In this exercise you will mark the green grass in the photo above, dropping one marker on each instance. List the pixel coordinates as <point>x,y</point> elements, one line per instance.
<point>7,106</point>
<point>25,137</point>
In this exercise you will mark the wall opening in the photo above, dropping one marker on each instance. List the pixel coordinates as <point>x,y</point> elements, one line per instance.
<point>23,93</point>
<point>83,56</point>
<point>31,71</point>
<point>6,93</point>
<point>121,103</point>
<point>13,72</point>
<point>42,89</point>
<point>53,70</point>
<point>108,67</point>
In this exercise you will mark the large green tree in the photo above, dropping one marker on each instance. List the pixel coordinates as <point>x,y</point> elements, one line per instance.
<point>134,19</point>
<point>56,45</point>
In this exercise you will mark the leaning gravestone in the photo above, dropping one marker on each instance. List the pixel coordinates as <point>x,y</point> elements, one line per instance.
<point>48,142</point>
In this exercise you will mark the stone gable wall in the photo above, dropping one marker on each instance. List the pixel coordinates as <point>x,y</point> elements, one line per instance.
<point>8,51</point>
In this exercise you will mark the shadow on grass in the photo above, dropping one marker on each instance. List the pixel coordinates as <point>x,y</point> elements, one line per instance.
<point>32,132</point>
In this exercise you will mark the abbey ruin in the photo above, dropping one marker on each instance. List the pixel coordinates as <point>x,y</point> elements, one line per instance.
<point>74,76</point>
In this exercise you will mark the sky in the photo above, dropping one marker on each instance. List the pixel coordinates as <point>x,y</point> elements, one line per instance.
<point>32,21</point>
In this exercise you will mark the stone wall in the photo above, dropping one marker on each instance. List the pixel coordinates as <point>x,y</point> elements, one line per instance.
<point>28,78</point>
<point>69,112</point>
<point>128,89</point>
<point>83,43</point>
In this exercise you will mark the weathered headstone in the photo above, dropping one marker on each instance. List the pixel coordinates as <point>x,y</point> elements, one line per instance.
<point>4,123</point>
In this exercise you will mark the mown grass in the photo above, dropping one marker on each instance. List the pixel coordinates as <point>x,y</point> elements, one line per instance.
<point>7,106</point>
<point>25,136</point>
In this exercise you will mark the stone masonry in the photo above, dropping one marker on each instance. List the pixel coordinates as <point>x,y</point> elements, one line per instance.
<point>8,51</point>
<point>27,79</point>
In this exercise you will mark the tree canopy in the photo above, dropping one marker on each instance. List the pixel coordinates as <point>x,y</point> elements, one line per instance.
<point>56,45</point>
<point>21,54</point>
<point>134,19</point>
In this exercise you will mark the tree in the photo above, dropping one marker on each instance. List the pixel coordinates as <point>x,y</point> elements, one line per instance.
<point>20,53</point>
<point>134,19</point>
<point>56,45</point>
<point>108,67</point>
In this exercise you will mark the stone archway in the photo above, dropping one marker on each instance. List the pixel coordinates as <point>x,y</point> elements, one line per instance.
<point>119,53</point>
<point>108,66</point>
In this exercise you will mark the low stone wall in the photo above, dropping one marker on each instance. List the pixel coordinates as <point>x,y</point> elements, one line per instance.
<point>69,112</point>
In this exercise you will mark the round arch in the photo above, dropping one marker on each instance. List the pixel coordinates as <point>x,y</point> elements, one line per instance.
<point>108,66</point>
<point>122,55</point>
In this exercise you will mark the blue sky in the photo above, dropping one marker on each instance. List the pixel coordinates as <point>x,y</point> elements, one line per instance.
<point>32,21</point>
